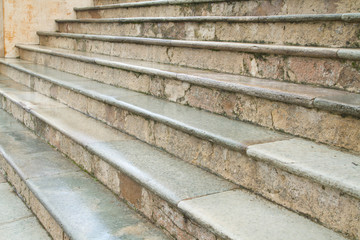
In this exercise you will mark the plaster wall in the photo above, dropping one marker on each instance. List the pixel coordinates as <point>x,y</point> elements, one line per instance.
<point>22,18</point>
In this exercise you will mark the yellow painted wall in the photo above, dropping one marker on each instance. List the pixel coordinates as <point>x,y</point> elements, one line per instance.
<point>22,18</point>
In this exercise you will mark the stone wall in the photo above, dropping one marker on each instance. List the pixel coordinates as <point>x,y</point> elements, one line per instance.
<point>20,19</point>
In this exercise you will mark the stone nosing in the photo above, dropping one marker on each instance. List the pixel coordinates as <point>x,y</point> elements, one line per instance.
<point>304,51</point>
<point>318,178</point>
<point>343,17</point>
<point>147,4</point>
<point>208,82</point>
<point>196,132</point>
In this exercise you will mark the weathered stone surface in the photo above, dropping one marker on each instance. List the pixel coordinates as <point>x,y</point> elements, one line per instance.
<point>308,159</point>
<point>216,8</point>
<point>244,172</point>
<point>252,7</point>
<point>25,229</point>
<point>297,64</point>
<point>159,171</point>
<point>16,220</point>
<point>285,117</point>
<point>80,199</point>
<point>11,207</point>
<point>28,158</point>
<point>248,29</point>
<point>238,222</point>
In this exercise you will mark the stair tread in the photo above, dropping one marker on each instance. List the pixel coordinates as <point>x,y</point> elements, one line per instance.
<point>16,220</point>
<point>77,180</point>
<point>242,134</point>
<point>307,51</point>
<point>305,95</point>
<point>70,195</point>
<point>344,17</point>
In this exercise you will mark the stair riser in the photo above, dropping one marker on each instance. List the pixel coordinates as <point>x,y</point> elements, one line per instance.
<point>144,200</point>
<point>106,2</point>
<point>237,8</point>
<point>328,33</point>
<point>328,72</point>
<point>48,222</point>
<point>319,125</point>
<point>330,206</point>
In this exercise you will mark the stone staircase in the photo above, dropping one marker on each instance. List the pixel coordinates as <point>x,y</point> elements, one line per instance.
<point>209,119</point>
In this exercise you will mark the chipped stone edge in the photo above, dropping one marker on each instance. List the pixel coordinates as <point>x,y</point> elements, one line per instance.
<point>145,4</point>
<point>299,18</point>
<point>208,82</point>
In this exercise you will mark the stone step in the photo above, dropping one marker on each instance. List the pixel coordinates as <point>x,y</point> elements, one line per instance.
<point>300,110</point>
<point>330,30</point>
<point>69,203</point>
<point>184,8</point>
<point>329,67</point>
<point>171,192</point>
<point>17,222</point>
<point>287,170</point>
<point>107,2</point>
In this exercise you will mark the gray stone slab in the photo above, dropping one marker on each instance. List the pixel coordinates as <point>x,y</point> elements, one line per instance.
<point>69,80</point>
<point>9,124</point>
<point>253,218</point>
<point>33,158</point>
<point>11,207</point>
<point>319,162</point>
<point>348,103</point>
<point>24,229</point>
<point>80,127</point>
<point>23,142</point>
<point>6,84</point>
<point>169,177</point>
<point>74,199</point>
<point>205,124</point>
<point>30,100</point>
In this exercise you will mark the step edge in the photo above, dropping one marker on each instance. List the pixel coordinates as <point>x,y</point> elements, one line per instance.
<point>303,51</point>
<point>298,18</point>
<point>145,4</point>
<point>269,94</point>
<point>193,216</point>
<point>314,177</point>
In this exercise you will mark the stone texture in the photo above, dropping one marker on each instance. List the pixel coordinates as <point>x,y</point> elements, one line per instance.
<point>289,118</point>
<point>325,33</point>
<point>284,66</point>
<point>264,7</point>
<point>219,8</point>
<point>327,166</point>
<point>79,199</point>
<point>25,229</point>
<point>244,172</point>
<point>158,171</point>
<point>11,207</point>
<point>238,222</point>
